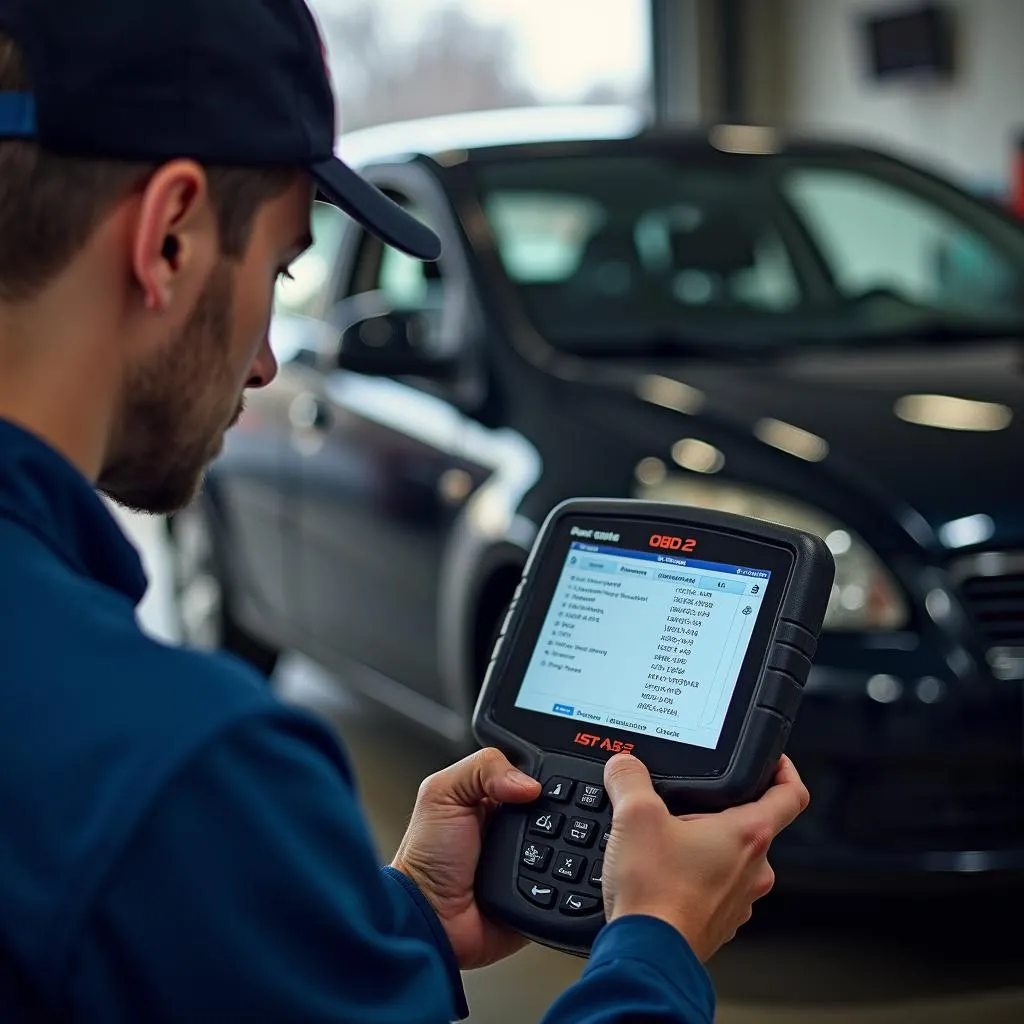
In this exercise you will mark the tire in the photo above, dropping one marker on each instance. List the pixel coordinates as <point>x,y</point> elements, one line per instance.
<point>201,593</point>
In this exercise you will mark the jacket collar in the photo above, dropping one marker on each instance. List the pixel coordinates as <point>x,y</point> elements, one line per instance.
<point>46,495</point>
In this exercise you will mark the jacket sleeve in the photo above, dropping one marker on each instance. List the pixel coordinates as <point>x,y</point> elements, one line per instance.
<point>640,970</point>
<point>251,891</point>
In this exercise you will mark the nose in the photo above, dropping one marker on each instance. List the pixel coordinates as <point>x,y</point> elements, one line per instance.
<point>264,367</point>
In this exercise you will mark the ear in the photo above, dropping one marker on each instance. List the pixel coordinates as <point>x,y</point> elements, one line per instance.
<point>175,243</point>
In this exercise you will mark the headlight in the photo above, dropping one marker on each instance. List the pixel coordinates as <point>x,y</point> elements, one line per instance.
<point>865,595</point>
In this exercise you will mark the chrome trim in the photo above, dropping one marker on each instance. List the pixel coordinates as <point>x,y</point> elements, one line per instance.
<point>1006,663</point>
<point>1006,660</point>
<point>986,564</point>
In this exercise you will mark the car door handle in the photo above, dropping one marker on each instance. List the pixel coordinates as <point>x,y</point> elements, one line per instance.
<point>308,412</point>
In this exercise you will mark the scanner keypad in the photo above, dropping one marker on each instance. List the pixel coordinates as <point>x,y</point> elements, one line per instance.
<point>563,846</point>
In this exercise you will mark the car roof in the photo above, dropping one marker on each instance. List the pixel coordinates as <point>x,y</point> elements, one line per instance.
<point>501,134</point>
<point>489,129</point>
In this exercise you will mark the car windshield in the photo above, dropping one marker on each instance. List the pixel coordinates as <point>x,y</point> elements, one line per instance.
<point>629,254</point>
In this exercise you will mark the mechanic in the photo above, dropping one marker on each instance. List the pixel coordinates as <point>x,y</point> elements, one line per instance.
<point>177,844</point>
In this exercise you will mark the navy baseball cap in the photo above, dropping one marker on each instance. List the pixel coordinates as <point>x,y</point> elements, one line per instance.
<point>223,82</point>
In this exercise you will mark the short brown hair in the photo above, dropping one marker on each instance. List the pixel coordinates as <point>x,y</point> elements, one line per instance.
<point>50,204</point>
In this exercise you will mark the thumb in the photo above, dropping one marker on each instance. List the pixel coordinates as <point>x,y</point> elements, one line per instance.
<point>513,787</point>
<point>626,778</point>
<point>495,777</point>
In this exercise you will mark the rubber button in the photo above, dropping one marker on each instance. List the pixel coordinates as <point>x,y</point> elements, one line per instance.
<point>535,856</point>
<point>590,797</point>
<point>569,866</point>
<point>794,634</point>
<point>578,903</point>
<point>538,893</point>
<point>786,659</point>
<point>580,831</point>
<point>779,693</point>
<point>559,788</point>
<point>547,823</point>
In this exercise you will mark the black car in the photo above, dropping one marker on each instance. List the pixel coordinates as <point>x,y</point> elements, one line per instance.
<point>810,332</point>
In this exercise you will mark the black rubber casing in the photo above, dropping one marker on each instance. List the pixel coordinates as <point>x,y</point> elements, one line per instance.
<point>751,766</point>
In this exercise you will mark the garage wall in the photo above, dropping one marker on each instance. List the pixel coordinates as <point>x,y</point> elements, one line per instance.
<point>967,128</point>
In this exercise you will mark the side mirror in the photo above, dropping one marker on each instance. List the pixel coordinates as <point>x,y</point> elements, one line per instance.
<point>392,345</point>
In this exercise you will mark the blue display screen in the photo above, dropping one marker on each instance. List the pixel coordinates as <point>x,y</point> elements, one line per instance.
<point>645,642</point>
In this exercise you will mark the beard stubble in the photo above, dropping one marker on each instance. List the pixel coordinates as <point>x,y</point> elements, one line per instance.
<point>175,409</point>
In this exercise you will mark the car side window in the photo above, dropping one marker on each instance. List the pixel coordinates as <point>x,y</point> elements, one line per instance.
<point>305,292</point>
<point>385,279</point>
<point>876,236</point>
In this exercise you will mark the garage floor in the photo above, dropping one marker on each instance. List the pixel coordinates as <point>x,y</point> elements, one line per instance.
<point>799,962</point>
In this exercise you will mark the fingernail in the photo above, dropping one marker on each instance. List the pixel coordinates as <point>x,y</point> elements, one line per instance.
<point>520,778</point>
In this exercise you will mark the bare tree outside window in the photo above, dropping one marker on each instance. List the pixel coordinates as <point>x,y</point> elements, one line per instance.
<point>394,60</point>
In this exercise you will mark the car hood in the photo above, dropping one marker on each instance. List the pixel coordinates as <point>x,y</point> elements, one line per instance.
<point>965,459</point>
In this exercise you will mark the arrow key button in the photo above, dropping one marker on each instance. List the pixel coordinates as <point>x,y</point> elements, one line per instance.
<point>538,893</point>
<point>577,904</point>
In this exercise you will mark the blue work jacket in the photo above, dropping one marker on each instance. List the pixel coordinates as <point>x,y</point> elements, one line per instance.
<point>178,845</point>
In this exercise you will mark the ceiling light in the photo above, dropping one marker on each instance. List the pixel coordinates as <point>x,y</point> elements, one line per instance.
<point>744,138</point>
<point>839,542</point>
<point>670,394</point>
<point>948,413</point>
<point>651,471</point>
<point>885,689</point>
<point>930,690</point>
<point>698,456</point>
<point>792,440</point>
<point>961,533</point>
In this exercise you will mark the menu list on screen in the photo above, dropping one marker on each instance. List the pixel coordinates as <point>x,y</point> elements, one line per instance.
<point>645,642</point>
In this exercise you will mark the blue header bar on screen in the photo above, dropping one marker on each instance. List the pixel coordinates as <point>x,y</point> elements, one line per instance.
<point>686,563</point>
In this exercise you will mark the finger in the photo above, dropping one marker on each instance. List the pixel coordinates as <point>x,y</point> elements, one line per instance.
<point>786,771</point>
<point>627,780</point>
<point>488,774</point>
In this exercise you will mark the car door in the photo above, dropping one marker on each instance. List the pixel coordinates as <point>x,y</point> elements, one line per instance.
<point>383,475</point>
<point>254,482</point>
<point>260,473</point>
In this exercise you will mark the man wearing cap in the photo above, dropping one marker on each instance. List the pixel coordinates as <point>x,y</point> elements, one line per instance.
<point>175,844</point>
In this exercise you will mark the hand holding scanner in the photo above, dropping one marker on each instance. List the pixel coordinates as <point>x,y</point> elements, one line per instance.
<point>681,635</point>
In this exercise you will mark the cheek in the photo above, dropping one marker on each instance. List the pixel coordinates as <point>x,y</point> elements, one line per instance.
<point>253,310</point>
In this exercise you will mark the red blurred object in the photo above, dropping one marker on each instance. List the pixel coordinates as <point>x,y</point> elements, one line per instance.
<point>1017,180</point>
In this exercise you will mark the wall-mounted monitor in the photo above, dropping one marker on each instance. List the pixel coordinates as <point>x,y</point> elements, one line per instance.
<point>910,42</point>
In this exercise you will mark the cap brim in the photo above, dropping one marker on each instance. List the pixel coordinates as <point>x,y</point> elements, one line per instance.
<point>375,211</point>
